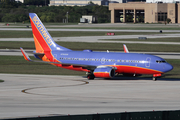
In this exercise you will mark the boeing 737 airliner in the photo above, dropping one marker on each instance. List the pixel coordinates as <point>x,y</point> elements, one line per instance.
<point>96,64</point>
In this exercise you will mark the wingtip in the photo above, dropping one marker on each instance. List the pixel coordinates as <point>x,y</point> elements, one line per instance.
<point>125,48</point>
<point>26,57</point>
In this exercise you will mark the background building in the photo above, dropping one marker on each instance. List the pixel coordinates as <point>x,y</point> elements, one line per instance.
<point>162,1</point>
<point>20,1</point>
<point>144,12</point>
<point>77,2</point>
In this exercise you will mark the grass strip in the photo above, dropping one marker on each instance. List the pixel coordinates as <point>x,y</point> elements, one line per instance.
<point>175,72</point>
<point>1,81</point>
<point>121,28</point>
<point>97,46</point>
<point>17,65</point>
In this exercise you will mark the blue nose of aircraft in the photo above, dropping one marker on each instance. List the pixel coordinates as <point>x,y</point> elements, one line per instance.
<point>168,67</point>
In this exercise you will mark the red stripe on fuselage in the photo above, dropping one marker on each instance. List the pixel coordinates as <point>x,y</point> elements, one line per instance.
<point>135,69</point>
<point>71,67</point>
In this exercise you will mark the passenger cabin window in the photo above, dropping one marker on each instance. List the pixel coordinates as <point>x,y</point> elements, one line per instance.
<point>107,60</point>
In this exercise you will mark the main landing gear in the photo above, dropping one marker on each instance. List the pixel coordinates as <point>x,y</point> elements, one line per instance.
<point>90,76</point>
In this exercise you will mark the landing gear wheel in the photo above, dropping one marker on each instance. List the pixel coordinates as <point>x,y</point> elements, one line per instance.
<point>154,78</point>
<point>90,77</point>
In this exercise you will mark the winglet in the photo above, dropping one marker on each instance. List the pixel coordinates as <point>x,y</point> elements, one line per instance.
<point>26,57</point>
<point>125,49</point>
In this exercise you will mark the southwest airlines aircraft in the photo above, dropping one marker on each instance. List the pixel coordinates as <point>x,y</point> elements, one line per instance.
<point>96,64</point>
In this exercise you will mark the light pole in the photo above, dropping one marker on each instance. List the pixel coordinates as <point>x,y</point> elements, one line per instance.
<point>67,17</point>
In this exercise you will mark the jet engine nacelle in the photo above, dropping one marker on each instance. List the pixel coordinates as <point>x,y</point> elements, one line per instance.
<point>104,72</point>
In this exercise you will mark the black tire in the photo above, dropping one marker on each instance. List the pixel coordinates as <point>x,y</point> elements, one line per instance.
<point>90,77</point>
<point>154,78</point>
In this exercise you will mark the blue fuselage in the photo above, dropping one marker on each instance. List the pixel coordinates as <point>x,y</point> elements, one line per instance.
<point>151,63</point>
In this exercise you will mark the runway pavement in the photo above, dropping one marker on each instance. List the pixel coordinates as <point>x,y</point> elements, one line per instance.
<point>98,30</point>
<point>47,95</point>
<point>44,95</point>
<point>105,39</point>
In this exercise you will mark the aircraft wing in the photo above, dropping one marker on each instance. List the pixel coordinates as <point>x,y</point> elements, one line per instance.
<point>26,57</point>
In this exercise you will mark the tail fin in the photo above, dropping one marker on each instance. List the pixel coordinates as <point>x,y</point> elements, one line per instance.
<point>42,39</point>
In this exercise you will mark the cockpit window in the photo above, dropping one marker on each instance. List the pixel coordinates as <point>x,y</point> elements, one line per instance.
<point>160,61</point>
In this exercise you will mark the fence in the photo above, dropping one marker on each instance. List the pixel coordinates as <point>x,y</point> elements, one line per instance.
<point>154,115</point>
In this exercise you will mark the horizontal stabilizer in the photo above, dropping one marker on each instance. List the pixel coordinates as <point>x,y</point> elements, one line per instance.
<point>26,57</point>
<point>38,53</point>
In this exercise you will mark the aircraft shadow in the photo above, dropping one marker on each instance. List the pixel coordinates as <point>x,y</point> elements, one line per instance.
<point>137,78</point>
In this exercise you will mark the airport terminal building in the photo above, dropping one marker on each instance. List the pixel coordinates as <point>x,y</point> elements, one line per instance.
<point>144,12</point>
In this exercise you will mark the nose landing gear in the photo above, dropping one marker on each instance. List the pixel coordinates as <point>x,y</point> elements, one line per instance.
<point>155,76</point>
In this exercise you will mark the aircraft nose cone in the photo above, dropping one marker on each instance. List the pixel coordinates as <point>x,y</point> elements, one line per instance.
<point>168,67</point>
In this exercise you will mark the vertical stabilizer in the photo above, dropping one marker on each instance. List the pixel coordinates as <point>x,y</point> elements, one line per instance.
<point>42,39</point>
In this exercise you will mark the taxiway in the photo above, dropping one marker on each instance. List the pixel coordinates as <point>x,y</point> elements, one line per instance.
<point>46,95</point>
<point>107,39</point>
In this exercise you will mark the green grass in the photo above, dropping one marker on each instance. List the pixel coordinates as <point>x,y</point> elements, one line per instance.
<point>121,28</point>
<point>97,46</point>
<point>15,34</point>
<point>16,45</point>
<point>175,72</point>
<point>1,81</point>
<point>28,34</point>
<point>108,28</point>
<point>17,65</point>
<point>127,26</point>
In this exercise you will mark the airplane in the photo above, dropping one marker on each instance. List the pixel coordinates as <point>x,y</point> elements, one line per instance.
<point>96,64</point>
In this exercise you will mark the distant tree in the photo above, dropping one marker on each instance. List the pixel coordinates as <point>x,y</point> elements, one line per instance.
<point>54,13</point>
<point>168,20</point>
<point>9,4</point>
<point>90,3</point>
<point>10,18</point>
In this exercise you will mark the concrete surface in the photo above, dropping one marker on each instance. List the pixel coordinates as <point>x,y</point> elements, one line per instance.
<point>105,39</point>
<point>42,95</point>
